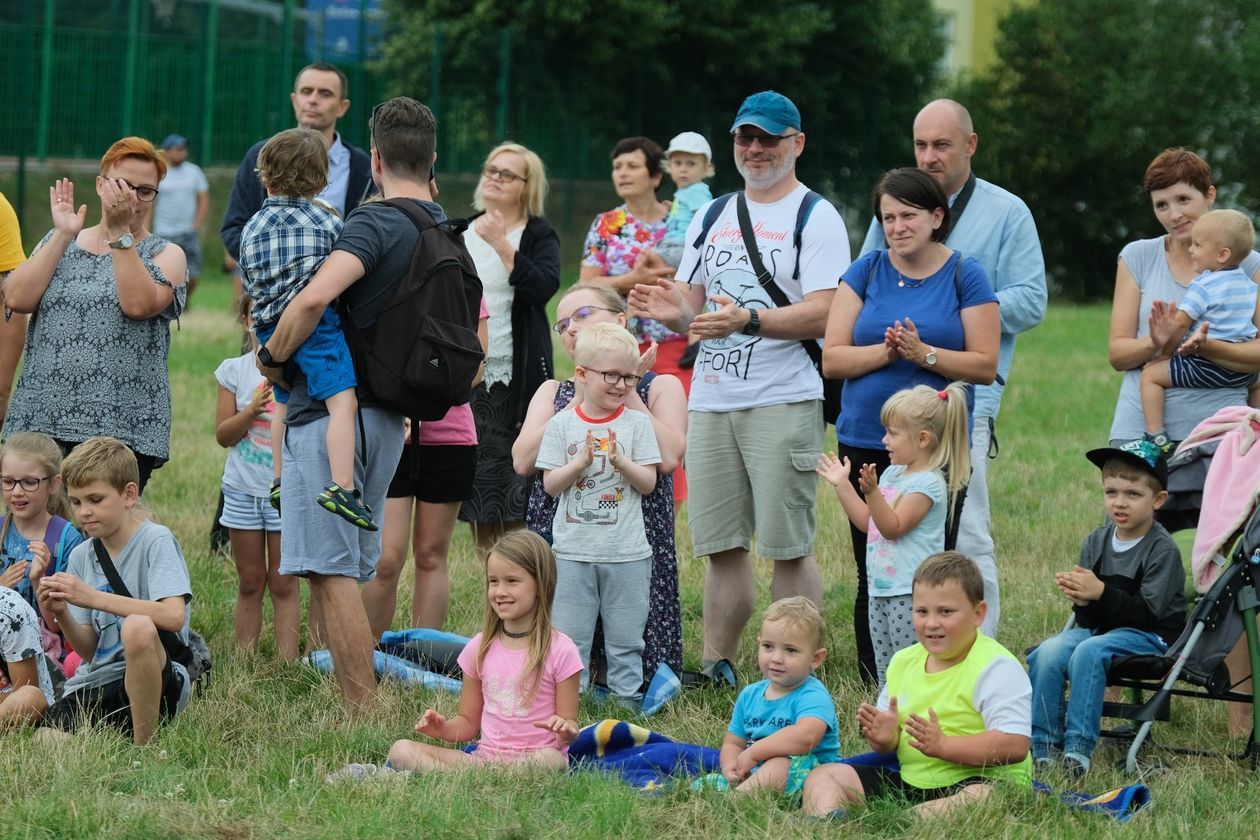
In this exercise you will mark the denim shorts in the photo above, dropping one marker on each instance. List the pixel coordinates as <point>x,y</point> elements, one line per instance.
<point>324,359</point>
<point>248,513</point>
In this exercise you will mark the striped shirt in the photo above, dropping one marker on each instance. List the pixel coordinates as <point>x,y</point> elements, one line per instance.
<point>282,247</point>
<point>1226,300</point>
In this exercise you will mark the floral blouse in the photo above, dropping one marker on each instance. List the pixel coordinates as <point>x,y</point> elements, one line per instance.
<point>613,244</point>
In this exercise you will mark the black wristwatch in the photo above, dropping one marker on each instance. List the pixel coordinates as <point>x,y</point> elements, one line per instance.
<point>264,356</point>
<point>754,323</point>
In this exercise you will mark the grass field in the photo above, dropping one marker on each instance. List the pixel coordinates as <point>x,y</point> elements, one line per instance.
<point>247,759</point>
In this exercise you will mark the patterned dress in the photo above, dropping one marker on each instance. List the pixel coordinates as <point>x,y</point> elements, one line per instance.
<point>662,637</point>
<point>89,369</point>
<point>613,244</point>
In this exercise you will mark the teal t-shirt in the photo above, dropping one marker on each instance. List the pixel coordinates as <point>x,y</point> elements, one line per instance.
<point>756,717</point>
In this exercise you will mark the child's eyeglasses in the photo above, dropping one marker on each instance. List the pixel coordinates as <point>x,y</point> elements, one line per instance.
<point>579,314</point>
<point>611,377</point>
<point>29,483</point>
<point>767,141</point>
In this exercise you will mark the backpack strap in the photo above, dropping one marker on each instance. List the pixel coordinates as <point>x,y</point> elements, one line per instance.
<point>111,571</point>
<point>958,289</point>
<point>802,218</point>
<point>711,216</point>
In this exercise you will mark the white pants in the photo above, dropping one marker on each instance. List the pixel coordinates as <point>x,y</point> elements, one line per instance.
<point>974,526</point>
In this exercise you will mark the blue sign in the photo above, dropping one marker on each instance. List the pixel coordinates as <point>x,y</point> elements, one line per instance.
<point>333,28</point>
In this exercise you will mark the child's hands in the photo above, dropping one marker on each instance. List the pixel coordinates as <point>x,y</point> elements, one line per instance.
<point>13,575</point>
<point>835,470</point>
<point>744,764</point>
<point>614,457</point>
<point>40,558</point>
<point>61,589</point>
<point>586,456</point>
<point>868,480</point>
<point>1080,585</point>
<point>566,731</point>
<point>259,404</point>
<point>879,727</point>
<point>431,724</point>
<point>926,735</point>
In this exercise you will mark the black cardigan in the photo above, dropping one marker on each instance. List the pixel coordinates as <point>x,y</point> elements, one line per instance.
<point>535,278</point>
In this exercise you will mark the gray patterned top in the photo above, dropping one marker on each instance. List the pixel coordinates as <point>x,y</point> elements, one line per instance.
<point>91,370</point>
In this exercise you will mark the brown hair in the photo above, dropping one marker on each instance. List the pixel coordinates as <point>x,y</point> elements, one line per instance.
<point>801,613</point>
<point>104,459</point>
<point>916,188</point>
<point>1126,469</point>
<point>404,134</point>
<point>946,566</point>
<point>43,450</point>
<point>534,556</point>
<point>325,67</point>
<point>1177,166</point>
<point>134,147</point>
<point>294,163</point>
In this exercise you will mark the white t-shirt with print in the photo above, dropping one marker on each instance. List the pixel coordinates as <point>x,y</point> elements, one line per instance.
<point>20,640</point>
<point>249,467</point>
<point>742,371</point>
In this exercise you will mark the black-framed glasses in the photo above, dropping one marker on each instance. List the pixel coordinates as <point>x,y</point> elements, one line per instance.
<point>767,141</point>
<point>612,377</point>
<point>142,192</point>
<point>29,482</point>
<point>579,314</point>
<point>507,176</point>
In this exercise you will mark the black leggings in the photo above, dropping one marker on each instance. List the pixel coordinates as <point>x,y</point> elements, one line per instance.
<point>861,604</point>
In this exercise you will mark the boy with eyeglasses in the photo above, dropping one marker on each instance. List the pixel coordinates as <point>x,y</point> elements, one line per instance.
<point>600,460</point>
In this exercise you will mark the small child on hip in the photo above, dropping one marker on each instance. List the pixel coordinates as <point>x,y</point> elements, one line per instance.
<point>689,160</point>
<point>1224,297</point>
<point>282,247</point>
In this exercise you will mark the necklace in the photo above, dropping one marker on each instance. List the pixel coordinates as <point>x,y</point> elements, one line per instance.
<point>914,284</point>
<point>511,635</point>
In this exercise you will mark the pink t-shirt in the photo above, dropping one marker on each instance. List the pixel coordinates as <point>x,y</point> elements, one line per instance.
<point>457,427</point>
<point>507,724</point>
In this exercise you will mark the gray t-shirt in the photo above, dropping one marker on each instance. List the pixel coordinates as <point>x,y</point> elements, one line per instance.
<point>1184,408</point>
<point>383,238</point>
<point>600,516</point>
<point>152,566</point>
<point>20,640</point>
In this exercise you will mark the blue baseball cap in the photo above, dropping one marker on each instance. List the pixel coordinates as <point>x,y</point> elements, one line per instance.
<point>770,111</point>
<point>1142,454</point>
<point>174,140</point>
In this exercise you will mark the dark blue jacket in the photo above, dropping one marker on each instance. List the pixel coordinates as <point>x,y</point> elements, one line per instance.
<point>248,193</point>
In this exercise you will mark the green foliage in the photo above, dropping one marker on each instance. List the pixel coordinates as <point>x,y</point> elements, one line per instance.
<point>1086,93</point>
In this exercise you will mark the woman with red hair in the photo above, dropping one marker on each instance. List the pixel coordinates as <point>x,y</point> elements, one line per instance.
<point>103,298</point>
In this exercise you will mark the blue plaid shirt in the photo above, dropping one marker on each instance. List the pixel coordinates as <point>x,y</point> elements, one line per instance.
<point>282,247</point>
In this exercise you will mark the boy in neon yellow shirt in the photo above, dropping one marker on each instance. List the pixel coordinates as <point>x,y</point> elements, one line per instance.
<point>957,707</point>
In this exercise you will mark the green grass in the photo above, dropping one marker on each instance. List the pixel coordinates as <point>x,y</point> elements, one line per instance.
<point>247,758</point>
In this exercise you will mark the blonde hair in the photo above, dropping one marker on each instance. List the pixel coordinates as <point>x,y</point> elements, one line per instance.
<point>534,193</point>
<point>801,613</point>
<point>943,414</point>
<point>134,147</point>
<point>607,295</point>
<point>104,459</point>
<point>598,339</point>
<point>43,450</point>
<point>945,566</point>
<point>532,554</point>
<point>294,162</point>
<point>1229,229</point>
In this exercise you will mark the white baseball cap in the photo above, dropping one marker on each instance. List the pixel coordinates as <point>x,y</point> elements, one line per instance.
<point>691,143</point>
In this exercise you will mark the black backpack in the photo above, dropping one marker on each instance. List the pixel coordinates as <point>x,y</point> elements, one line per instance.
<point>421,354</point>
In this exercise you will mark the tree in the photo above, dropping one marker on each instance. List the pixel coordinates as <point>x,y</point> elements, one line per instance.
<point>1086,93</point>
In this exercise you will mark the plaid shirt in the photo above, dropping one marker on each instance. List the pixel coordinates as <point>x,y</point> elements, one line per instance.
<point>282,247</point>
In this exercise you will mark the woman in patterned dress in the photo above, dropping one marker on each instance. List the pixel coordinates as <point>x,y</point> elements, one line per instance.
<point>102,299</point>
<point>662,398</point>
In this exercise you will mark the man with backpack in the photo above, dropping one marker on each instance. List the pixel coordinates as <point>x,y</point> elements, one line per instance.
<point>405,286</point>
<point>755,286</point>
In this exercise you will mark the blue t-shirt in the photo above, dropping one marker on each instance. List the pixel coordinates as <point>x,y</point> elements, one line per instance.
<point>16,549</point>
<point>755,717</point>
<point>683,208</point>
<point>934,305</point>
<point>891,564</point>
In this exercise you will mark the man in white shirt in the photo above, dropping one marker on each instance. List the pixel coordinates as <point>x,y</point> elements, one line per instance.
<point>183,198</point>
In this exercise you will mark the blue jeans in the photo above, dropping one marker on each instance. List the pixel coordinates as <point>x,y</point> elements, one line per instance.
<point>1078,657</point>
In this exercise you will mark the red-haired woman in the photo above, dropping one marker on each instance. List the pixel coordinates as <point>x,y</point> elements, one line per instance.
<point>103,299</point>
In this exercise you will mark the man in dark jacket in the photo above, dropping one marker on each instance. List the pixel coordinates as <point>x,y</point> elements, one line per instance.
<point>319,100</point>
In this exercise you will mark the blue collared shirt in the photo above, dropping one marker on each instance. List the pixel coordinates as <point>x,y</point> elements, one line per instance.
<point>338,175</point>
<point>997,231</point>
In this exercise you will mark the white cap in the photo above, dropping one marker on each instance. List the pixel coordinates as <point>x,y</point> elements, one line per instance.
<point>692,143</point>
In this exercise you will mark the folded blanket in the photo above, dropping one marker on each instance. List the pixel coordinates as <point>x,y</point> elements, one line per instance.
<point>1120,803</point>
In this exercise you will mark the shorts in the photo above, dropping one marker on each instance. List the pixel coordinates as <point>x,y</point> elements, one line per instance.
<point>324,359</point>
<point>248,513</point>
<point>314,541</point>
<point>190,244</point>
<point>1198,372</point>
<point>109,703</point>
<point>435,474</point>
<point>753,470</point>
<point>884,783</point>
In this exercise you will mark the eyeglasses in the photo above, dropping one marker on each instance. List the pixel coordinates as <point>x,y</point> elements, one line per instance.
<point>767,141</point>
<point>29,483</point>
<point>611,377</point>
<point>142,192</point>
<point>579,314</point>
<point>507,176</point>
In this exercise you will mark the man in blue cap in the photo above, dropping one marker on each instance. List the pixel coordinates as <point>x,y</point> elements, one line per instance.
<point>755,421</point>
<point>182,202</point>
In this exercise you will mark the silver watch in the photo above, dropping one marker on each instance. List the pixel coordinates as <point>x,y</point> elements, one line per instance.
<point>123,242</point>
<point>930,358</point>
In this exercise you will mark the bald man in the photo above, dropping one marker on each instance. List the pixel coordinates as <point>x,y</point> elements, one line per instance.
<point>994,227</point>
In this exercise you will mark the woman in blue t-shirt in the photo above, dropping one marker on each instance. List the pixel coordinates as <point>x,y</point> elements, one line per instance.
<point>918,313</point>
